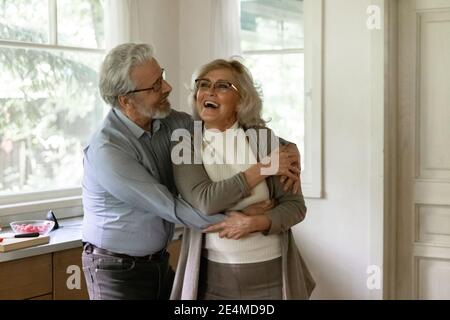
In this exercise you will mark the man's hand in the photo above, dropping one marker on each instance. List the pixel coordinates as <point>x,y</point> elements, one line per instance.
<point>237,225</point>
<point>288,182</point>
<point>259,208</point>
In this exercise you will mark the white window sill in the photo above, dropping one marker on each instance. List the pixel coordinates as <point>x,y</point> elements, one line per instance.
<point>67,207</point>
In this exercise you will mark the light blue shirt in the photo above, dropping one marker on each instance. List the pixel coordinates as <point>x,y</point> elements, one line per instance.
<point>129,197</point>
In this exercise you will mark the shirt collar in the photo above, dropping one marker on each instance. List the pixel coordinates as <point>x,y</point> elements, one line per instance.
<point>156,125</point>
<point>134,128</point>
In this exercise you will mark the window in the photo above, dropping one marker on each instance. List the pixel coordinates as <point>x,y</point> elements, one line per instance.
<point>50,52</point>
<point>281,43</point>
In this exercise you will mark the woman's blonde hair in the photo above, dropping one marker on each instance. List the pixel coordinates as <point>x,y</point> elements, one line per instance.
<point>249,107</point>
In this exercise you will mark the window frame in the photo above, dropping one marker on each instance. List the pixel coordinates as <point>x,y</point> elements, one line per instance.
<point>312,178</point>
<point>68,200</point>
<point>312,174</point>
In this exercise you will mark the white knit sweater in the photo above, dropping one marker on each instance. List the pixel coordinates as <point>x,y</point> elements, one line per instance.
<point>219,165</point>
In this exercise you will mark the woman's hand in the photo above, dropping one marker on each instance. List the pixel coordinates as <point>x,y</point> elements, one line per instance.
<point>259,208</point>
<point>288,182</point>
<point>281,162</point>
<point>284,162</point>
<point>237,225</point>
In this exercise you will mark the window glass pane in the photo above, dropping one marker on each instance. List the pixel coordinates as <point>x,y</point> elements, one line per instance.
<point>50,104</point>
<point>269,24</point>
<point>24,20</point>
<point>281,79</point>
<point>80,23</point>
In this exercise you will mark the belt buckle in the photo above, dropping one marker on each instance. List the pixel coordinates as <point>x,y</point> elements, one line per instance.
<point>88,247</point>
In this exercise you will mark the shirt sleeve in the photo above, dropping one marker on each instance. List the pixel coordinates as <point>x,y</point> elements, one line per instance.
<point>127,180</point>
<point>290,210</point>
<point>206,195</point>
<point>197,188</point>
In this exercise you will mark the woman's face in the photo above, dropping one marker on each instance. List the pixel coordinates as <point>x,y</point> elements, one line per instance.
<point>217,100</point>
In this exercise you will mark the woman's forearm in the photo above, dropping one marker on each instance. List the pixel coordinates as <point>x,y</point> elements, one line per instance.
<point>253,175</point>
<point>196,187</point>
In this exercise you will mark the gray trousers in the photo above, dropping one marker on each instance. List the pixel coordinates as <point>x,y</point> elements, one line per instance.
<point>113,278</point>
<point>249,281</point>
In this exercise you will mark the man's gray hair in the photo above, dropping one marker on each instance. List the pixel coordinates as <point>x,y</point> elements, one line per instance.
<point>250,103</point>
<point>114,78</point>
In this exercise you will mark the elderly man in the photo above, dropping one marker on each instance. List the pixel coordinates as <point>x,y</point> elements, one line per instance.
<point>129,195</point>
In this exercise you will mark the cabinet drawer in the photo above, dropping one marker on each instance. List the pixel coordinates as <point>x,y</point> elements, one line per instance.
<point>26,278</point>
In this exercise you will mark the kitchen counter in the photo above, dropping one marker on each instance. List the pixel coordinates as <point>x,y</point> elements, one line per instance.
<point>43,272</point>
<point>67,236</point>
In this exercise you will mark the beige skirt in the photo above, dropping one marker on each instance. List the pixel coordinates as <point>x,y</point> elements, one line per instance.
<point>249,281</point>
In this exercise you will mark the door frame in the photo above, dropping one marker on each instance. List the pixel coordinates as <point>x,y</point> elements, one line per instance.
<point>396,237</point>
<point>383,152</point>
<point>391,154</point>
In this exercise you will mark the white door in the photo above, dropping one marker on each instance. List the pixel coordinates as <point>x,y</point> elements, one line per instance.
<point>423,225</point>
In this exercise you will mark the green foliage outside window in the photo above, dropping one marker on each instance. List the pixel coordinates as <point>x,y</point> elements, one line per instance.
<point>49,105</point>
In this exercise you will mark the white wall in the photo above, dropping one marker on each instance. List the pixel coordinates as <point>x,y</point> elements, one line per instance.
<point>335,235</point>
<point>195,48</point>
<point>334,238</point>
<point>159,21</point>
<point>179,31</point>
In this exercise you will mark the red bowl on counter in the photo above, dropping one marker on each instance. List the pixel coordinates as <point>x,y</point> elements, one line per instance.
<point>43,227</point>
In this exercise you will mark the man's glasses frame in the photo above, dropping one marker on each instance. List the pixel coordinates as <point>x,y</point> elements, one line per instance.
<point>155,87</point>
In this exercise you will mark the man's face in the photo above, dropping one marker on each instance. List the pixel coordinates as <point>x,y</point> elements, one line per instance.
<point>152,103</point>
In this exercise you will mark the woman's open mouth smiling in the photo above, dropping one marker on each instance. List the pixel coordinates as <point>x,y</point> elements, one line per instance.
<point>211,104</point>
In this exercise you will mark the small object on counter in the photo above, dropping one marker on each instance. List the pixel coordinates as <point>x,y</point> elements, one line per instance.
<point>27,235</point>
<point>51,216</point>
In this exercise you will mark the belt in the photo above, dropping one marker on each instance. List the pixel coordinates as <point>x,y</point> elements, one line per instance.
<point>90,248</point>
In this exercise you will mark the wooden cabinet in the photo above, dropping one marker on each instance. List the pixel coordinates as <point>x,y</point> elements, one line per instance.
<point>68,277</point>
<point>174,250</point>
<point>57,276</point>
<point>44,277</point>
<point>26,278</point>
<point>44,297</point>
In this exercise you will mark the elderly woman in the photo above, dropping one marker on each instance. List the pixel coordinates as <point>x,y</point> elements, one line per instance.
<point>252,254</point>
